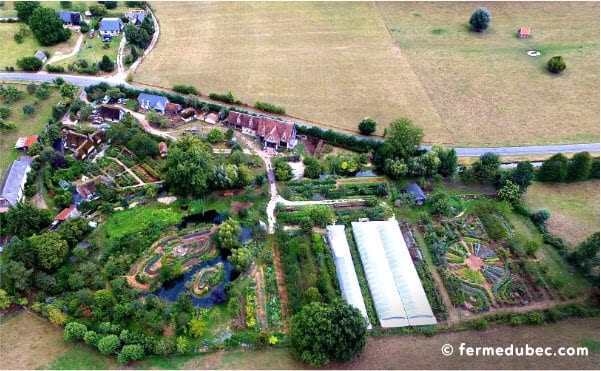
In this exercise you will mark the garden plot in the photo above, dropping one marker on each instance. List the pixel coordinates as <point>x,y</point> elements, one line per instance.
<point>320,189</point>
<point>479,272</point>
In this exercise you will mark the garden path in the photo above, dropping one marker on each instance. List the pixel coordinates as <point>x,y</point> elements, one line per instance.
<point>58,56</point>
<point>140,182</point>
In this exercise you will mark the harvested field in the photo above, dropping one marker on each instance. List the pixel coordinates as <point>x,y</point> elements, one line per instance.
<point>335,63</point>
<point>574,207</point>
<point>485,88</point>
<point>332,63</point>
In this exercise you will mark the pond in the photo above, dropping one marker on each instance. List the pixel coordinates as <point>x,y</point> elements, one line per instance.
<point>171,293</point>
<point>245,235</point>
<point>209,216</point>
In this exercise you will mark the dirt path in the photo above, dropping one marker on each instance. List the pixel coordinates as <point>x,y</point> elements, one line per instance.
<point>147,127</point>
<point>38,198</point>
<point>260,297</point>
<point>279,275</point>
<point>140,182</point>
<point>59,57</point>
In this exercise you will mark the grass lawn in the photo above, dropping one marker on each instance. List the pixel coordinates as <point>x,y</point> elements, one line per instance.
<point>137,219</point>
<point>574,207</point>
<point>26,125</point>
<point>485,88</point>
<point>11,51</point>
<point>92,50</point>
<point>570,283</point>
<point>332,63</point>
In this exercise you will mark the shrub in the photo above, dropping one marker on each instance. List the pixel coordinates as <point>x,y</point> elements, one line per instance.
<point>227,98</point>
<point>186,89</point>
<point>268,107</point>
<point>540,216</point>
<point>367,126</point>
<point>480,19</point>
<point>109,344</point>
<point>535,317</point>
<point>74,331</point>
<point>55,69</point>
<point>29,63</point>
<point>215,135</point>
<point>28,109</point>
<point>556,64</point>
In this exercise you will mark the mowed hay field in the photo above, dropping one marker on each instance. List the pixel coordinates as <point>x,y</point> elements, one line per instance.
<point>335,63</point>
<point>485,88</point>
<point>331,63</point>
<point>574,207</point>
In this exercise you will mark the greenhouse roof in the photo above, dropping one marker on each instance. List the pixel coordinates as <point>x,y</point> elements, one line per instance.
<point>391,275</point>
<point>347,277</point>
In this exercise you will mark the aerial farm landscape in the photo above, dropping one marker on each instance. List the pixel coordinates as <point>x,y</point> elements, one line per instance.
<point>290,185</point>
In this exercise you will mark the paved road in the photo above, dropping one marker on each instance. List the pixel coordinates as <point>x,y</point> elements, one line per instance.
<point>469,152</point>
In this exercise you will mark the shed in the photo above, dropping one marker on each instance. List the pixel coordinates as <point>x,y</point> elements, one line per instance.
<point>41,56</point>
<point>163,149</point>
<point>524,32</point>
<point>417,191</point>
<point>23,143</point>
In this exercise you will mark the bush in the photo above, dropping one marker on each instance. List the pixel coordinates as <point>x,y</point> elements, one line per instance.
<point>186,89</point>
<point>131,352</point>
<point>109,344</point>
<point>28,109</point>
<point>339,139</point>
<point>74,331</point>
<point>480,19</point>
<point>268,107</point>
<point>540,216</point>
<point>367,126</point>
<point>556,64</point>
<point>215,135</point>
<point>55,69</point>
<point>29,63</point>
<point>227,98</point>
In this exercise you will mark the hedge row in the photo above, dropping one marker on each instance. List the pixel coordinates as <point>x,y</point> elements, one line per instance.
<point>268,107</point>
<point>342,140</point>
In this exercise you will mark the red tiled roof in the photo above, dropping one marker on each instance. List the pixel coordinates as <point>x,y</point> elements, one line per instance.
<point>31,140</point>
<point>274,130</point>
<point>65,213</point>
<point>525,30</point>
<point>173,107</point>
<point>241,119</point>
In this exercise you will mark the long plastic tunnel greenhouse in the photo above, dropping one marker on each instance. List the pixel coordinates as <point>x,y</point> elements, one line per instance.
<point>347,277</point>
<point>395,287</point>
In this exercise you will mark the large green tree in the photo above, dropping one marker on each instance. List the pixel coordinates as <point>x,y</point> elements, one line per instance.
<point>73,230</point>
<point>580,166</point>
<point>25,9</point>
<point>47,27</point>
<point>554,169</point>
<point>522,175</point>
<point>15,277</point>
<point>487,168</point>
<point>322,332</point>
<point>188,167</point>
<point>402,139</point>
<point>25,219</point>
<point>50,249</point>
<point>283,170</point>
<point>312,168</point>
<point>143,145</point>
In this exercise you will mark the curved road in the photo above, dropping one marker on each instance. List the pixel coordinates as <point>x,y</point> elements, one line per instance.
<point>461,151</point>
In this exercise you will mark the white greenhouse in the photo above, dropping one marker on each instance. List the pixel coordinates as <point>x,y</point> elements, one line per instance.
<point>347,277</point>
<point>395,286</point>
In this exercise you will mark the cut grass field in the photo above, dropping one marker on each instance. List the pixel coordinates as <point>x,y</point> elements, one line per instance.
<point>26,124</point>
<point>332,63</point>
<point>29,343</point>
<point>11,51</point>
<point>92,50</point>
<point>485,88</point>
<point>574,207</point>
<point>335,63</point>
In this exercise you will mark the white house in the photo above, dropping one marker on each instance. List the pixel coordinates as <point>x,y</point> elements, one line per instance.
<point>14,182</point>
<point>110,27</point>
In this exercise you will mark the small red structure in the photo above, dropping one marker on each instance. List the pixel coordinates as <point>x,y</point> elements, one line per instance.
<point>524,32</point>
<point>23,143</point>
<point>163,149</point>
<point>91,34</point>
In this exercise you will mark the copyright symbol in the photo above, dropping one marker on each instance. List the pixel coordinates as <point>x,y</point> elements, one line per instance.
<point>447,350</point>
